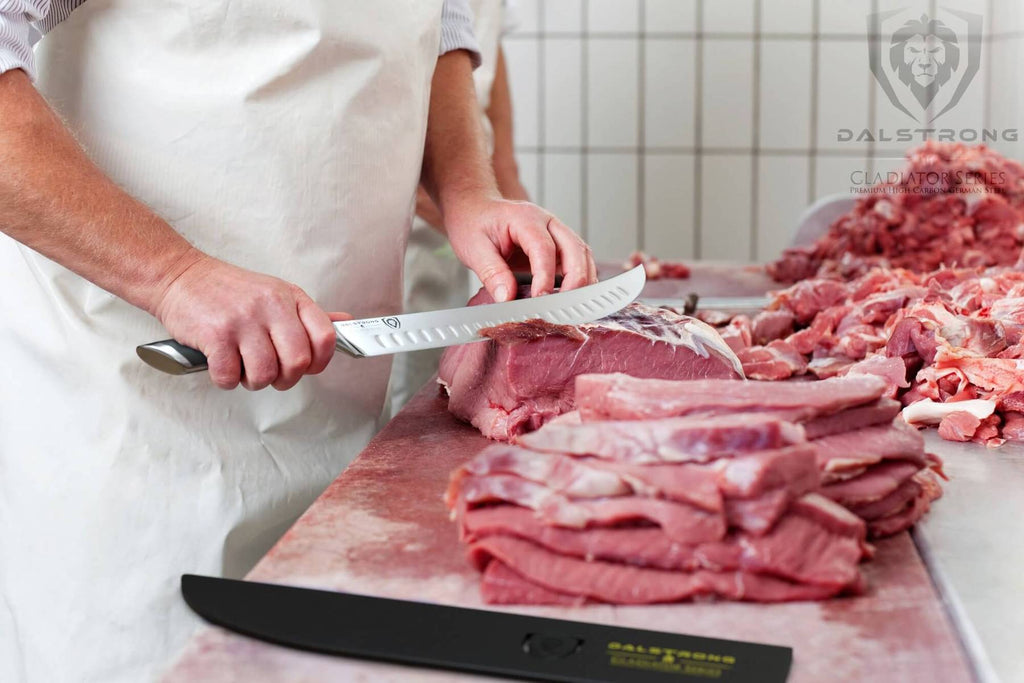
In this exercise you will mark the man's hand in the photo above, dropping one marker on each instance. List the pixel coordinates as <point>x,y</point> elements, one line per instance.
<point>486,231</point>
<point>239,318</point>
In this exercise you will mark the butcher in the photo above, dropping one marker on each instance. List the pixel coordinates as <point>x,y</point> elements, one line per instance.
<point>234,174</point>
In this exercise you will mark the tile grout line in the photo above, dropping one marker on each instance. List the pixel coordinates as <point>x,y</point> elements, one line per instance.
<point>801,152</point>
<point>872,100</point>
<point>542,84</point>
<point>812,152</point>
<point>641,129</point>
<point>542,81</point>
<point>698,132</point>
<point>986,103</point>
<point>692,35</point>
<point>584,127</point>
<point>755,156</point>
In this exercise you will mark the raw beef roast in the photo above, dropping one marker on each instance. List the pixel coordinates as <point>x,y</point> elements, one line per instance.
<point>523,377</point>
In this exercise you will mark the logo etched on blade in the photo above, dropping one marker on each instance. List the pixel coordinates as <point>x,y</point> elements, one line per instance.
<point>393,323</point>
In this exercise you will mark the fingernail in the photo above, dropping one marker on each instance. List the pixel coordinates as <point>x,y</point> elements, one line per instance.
<point>501,293</point>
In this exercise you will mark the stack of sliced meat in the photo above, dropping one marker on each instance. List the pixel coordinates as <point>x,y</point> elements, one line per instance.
<point>949,343</point>
<point>953,205</point>
<point>524,375</point>
<point>659,491</point>
<point>869,462</point>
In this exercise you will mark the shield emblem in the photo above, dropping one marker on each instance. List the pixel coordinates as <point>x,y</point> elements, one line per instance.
<point>924,63</point>
<point>392,322</point>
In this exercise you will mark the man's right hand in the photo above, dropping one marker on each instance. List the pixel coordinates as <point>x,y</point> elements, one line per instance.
<point>239,318</point>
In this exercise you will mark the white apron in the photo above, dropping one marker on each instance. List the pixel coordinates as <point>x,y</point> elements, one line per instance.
<point>284,137</point>
<point>434,277</point>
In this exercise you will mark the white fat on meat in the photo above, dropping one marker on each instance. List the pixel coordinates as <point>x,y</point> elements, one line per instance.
<point>928,412</point>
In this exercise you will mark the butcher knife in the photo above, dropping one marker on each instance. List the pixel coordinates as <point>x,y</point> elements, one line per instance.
<point>435,329</point>
<point>473,640</point>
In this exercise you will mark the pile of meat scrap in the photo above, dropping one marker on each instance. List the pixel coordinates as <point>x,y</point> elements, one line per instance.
<point>953,205</point>
<point>950,343</point>
<point>524,375</point>
<point>655,268</point>
<point>661,491</point>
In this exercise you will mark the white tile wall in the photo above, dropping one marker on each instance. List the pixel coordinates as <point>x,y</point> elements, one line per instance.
<point>844,16</point>
<point>781,199</point>
<point>728,78</point>
<point>725,207</point>
<point>670,16</point>
<point>562,92</point>
<point>787,16</point>
<point>521,63</point>
<point>785,111</point>
<point>578,68</point>
<point>668,205</point>
<point>527,162</point>
<point>668,93</point>
<point>527,15</point>
<point>843,79</point>
<point>563,190</point>
<point>611,204</point>
<point>729,16</point>
<point>613,15</point>
<point>612,83</point>
<point>563,15</point>
<point>834,175</point>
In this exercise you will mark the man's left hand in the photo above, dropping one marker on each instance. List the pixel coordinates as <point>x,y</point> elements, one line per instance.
<point>486,231</point>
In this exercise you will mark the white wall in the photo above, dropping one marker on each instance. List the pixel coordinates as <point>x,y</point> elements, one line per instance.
<point>702,128</point>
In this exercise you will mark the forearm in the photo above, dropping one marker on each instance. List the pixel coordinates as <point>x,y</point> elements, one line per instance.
<point>57,202</point>
<point>499,112</point>
<point>455,161</point>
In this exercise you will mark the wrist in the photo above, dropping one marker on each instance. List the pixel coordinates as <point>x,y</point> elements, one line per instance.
<point>167,275</point>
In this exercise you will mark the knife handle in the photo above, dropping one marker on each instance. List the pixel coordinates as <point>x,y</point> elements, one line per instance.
<point>171,357</point>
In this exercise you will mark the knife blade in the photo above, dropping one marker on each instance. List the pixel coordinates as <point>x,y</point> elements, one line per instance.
<point>475,640</point>
<point>435,329</point>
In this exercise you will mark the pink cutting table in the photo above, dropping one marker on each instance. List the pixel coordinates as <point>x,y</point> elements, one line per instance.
<point>381,529</point>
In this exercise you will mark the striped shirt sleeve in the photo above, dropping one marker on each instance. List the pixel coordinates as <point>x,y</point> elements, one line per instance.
<point>18,33</point>
<point>457,30</point>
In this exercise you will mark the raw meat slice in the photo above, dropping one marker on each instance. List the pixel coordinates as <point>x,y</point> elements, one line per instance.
<point>669,440</point>
<point>561,474</point>
<point>499,585</point>
<point>778,360</point>
<point>1013,426</point>
<point>758,515</point>
<point>959,425</point>
<point>911,513</point>
<point>851,450</point>
<point>875,484</point>
<point>797,549</point>
<point>621,397</point>
<point>582,477</point>
<point>524,376</point>
<point>890,504</point>
<point>771,325</point>
<point>623,585</point>
<point>682,522</point>
<point>882,411</point>
<point>746,476</point>
<point>892,370</point>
